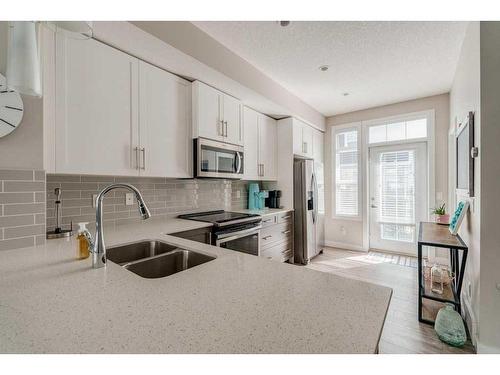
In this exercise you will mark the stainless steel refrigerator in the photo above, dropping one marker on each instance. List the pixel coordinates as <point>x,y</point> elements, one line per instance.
<point>305,201</point>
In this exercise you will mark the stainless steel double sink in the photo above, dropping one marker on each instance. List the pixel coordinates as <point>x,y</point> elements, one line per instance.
<point>153,259</point>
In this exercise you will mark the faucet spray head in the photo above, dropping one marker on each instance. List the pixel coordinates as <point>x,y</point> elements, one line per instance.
<point>143,209</point>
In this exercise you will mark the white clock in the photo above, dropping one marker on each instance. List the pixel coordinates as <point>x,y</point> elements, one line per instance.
<point>11,109</point>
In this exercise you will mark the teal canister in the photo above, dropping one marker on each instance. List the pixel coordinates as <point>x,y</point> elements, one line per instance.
<point>253,196</point>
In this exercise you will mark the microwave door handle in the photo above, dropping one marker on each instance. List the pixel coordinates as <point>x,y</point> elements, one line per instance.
<point>238,162</point>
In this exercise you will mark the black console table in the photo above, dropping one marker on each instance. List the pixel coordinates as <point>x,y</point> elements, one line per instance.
<point>436,235</point>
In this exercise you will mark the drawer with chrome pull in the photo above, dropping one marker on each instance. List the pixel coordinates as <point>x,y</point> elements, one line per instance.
<point>273,234</point>
<point>269,220</point>
<point>285,217</point>
<point>280,252</point>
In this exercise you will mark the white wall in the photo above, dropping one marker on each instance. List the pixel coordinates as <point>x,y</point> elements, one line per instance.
<point>23,148</point>
<point>349,233</point>
<point>464,97</point>
<point>489,308</point>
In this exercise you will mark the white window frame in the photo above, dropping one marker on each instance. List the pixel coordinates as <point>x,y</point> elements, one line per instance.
<point>429,139</point>
<point>341,129</point>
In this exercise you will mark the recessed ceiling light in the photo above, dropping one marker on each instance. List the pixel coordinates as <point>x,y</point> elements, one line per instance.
<point>284,23</point>
<point>324,68</point>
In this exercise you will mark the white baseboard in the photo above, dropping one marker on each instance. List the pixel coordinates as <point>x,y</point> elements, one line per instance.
<point>485,349</point>
<point>346,246</point>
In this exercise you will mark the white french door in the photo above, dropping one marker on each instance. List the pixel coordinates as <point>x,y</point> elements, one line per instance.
<point>398,195</point>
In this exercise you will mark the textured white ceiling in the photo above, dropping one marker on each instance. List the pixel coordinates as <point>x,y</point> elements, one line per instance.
<point>377,63</point>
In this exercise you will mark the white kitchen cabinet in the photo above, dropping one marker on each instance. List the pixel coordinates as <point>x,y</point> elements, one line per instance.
<point>317,146</point>
<point>96,108</point>
<point>260,146</point>
<point>232,109</point>
<point>268,141</point>
<point>251,144</point>
<point>302,139</point>
<point>216,115</point>
<point>116,115</point>
<point>164,123</point>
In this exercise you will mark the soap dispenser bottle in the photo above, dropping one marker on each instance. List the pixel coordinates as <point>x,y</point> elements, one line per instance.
<point>82,243</point>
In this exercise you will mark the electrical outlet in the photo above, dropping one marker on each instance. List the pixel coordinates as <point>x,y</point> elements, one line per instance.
<point>343,230</point>
<point>238,194</point>
<point>129,199</point>
<point>439,196</point>
<point>94,199</point>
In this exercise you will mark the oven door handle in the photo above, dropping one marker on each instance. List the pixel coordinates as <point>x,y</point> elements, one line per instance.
<point>234,236</point>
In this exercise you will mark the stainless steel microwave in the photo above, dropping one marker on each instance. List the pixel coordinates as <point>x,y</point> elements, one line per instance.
<point>214,159</point>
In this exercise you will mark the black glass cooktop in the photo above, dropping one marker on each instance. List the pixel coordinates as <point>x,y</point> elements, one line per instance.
<point>217,216</point>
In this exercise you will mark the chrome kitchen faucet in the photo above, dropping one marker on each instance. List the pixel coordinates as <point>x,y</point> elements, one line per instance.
<point>97,247</point>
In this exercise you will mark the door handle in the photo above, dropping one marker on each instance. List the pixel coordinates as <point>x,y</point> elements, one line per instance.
<point>221,130</point>
<point>137,157</point>
<point>143,150</point>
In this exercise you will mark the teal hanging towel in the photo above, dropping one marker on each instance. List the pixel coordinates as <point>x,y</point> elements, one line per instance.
<point>449,327</point>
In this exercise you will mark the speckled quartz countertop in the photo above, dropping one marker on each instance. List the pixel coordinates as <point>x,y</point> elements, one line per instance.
<point>264,212</point>
<point>52,303</point>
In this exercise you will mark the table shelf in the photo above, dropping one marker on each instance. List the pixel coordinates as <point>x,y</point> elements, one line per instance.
<point>432,234</point>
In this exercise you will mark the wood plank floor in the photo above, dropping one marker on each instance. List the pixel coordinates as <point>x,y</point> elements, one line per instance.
<point>402,332</point>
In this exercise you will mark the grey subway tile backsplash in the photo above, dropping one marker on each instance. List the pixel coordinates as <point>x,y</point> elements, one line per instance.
<point>22,208</point>
<point>165,197</point>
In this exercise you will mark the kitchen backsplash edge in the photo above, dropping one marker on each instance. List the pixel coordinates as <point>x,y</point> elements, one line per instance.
<point>27,201</point>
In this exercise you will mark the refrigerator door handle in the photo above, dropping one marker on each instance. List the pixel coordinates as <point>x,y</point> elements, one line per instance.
<point>313,189</point>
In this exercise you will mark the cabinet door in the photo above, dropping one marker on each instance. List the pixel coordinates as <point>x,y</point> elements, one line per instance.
<point>298,145</point>
<point>207,112</point>
<point>318,139</point>
<point>96,108</point>
<point>251,144</point>
<point>164,123</point>
<point>268,147</point>
<point>307,139</point>
<point>232,120</point>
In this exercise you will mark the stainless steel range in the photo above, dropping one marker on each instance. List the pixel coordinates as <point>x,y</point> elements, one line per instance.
<point>232,230</point>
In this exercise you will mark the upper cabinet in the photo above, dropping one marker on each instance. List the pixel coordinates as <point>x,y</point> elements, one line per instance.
<point>96,108</point>
<point>318,139</point>
<point>251,168</point>
<point>216,115</point>
<point>116,115</point>
<point>302,139</point>
<point>268,152</point>
<point>164,123</point>
<point>260,146</point>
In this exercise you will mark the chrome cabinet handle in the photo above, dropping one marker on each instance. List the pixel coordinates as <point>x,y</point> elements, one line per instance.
<point>286,217</point>
<point>266,221</point>
<point>373,206</point>
<point>220,130</point>
<point>225,134</point>
<point>137,163</point>
<point>266,237</point>
<point>286,232</point>
<point>143,150</point>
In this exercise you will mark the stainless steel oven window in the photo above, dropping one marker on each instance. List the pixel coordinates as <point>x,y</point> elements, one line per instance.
<point>247,241</point>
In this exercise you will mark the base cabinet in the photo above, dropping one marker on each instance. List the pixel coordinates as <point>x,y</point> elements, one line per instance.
<point>276,237</point>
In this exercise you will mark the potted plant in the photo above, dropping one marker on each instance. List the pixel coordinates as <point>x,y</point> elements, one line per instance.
<point>441,216</point>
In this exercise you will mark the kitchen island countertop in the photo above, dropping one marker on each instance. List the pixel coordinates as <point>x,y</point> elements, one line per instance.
<point>52,303</point>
